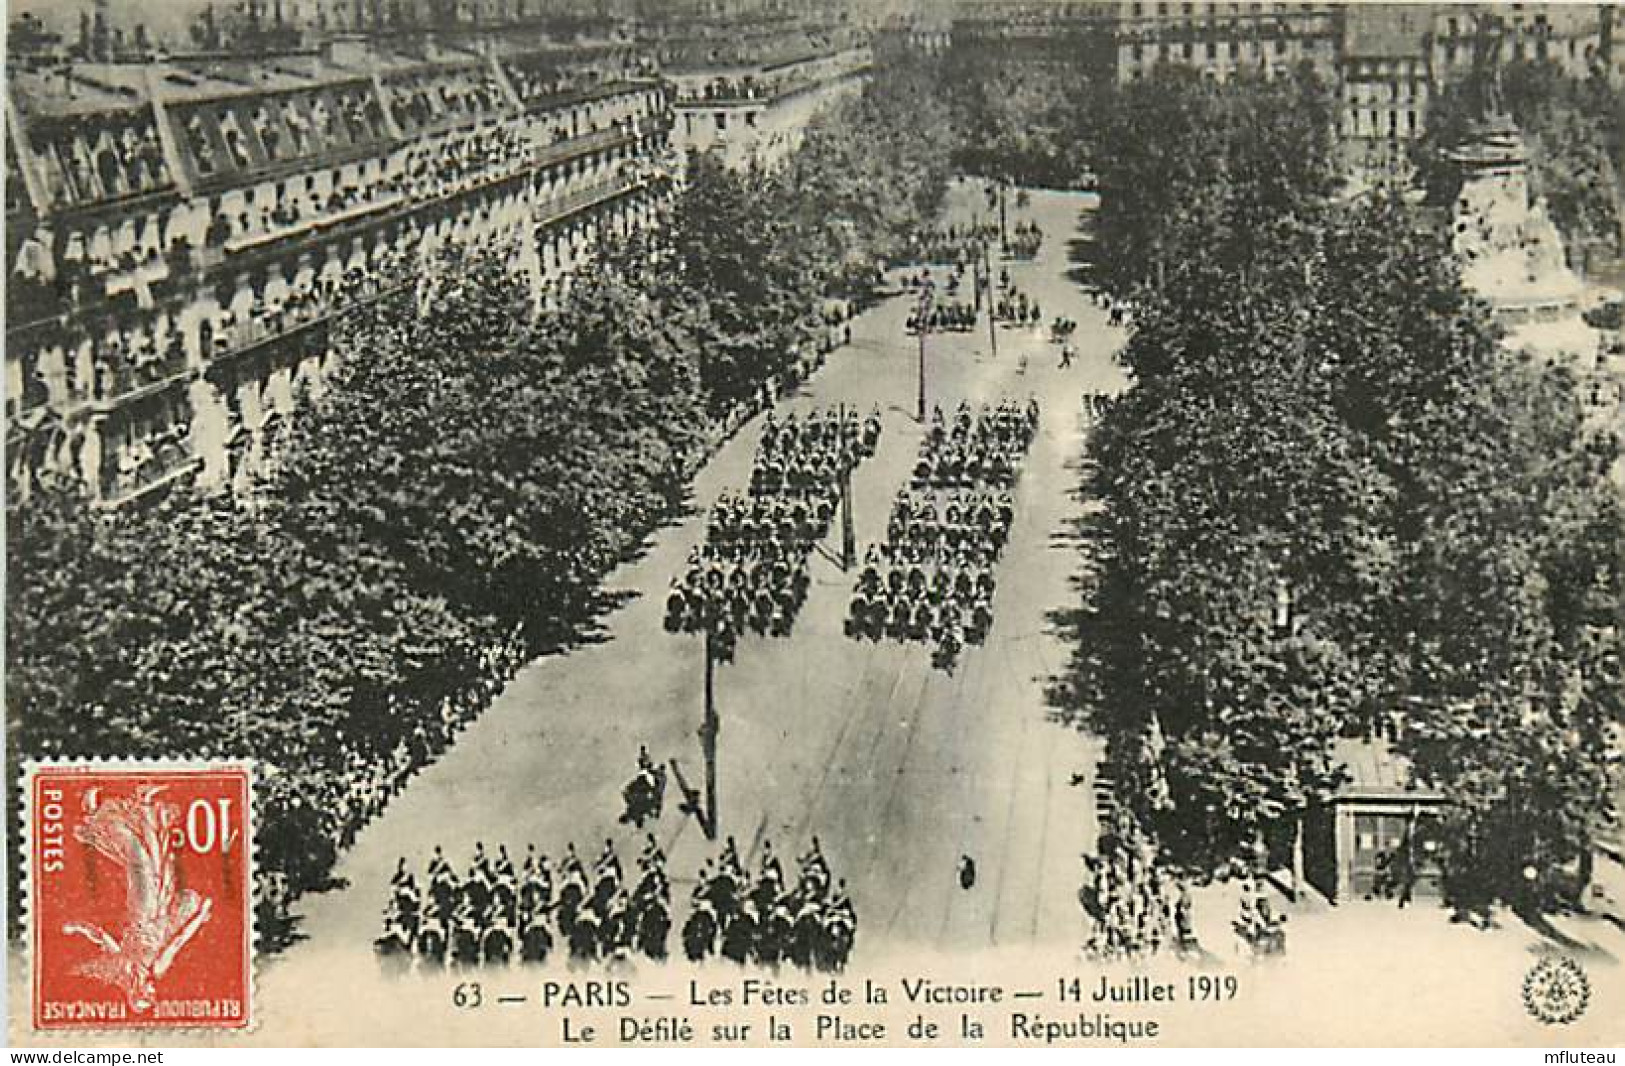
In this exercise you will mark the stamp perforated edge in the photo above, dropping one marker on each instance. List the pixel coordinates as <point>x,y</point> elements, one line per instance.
<point>22,1014</point>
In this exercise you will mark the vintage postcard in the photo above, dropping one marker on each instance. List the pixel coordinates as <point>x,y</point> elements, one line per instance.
<point>817,523</point>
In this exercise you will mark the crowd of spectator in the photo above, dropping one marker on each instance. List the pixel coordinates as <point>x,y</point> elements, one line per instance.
<point>101,157</point>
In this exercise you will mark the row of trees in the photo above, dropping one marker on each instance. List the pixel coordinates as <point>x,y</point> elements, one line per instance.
<point>469,473</point>
<point>1332,497</point>
<point>759,251</point>
<point>1028,121</point>
<point>1046,122</point>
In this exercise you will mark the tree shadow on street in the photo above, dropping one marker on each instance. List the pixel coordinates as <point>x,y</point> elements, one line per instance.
<point>1072,693</point>
<point>1542,926</point>
<point>590,628</point>
<point>1080,254</point>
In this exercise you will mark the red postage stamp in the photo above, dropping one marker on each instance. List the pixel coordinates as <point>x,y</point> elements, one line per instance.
<point>140,896</point>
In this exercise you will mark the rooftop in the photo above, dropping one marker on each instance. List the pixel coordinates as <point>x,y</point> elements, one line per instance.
<point>1387,31</point>
<point>1376,771</point>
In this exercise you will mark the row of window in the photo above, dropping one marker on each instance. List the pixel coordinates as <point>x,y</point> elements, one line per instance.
<point>1210,49</point>
<point>121,342</point>
<point>84,160</point>
<point>158,436</point>
<point>60,267</point>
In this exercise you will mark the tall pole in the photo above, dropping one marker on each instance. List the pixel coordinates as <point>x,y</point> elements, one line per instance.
<point>848,548</point>
<point>1004,233</point>
<point>708,738</point>
<point>925,298</point>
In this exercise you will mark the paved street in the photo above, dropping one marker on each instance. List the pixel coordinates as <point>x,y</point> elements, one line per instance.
<point>898,768</point>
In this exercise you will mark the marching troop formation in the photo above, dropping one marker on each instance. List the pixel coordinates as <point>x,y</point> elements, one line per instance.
<point>932,579</point>
<point>980,451</point>
<point>494,914</point>
<point>943,316</point>
<point>1016,307</point>
<point>751,573</point>
<point>810,924</point>
<point>954,244</point>
<point>1025,240</point>
<point>965,243</point>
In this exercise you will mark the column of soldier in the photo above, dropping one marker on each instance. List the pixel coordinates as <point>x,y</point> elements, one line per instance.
<point>945,312</point>
<point>1135,906</point>
<point>932,579</point>
<point>810,924</point>
<point>1024,241</point>
<point>1014,306</point>
<point>953,244</point>
<point>751,573</point>
<point>493,914</point>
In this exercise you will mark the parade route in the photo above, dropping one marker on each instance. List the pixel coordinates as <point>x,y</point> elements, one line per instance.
<point>822,526</point>
<point>899,768</point>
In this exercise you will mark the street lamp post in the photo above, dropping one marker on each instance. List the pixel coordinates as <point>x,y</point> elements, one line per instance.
<point>710,726</point>
<point>847,460</point>
<point>923,324</point>
<point>704,808</point>
<point>848,539</point>
<point>995,198</point>
<point>992,326</point>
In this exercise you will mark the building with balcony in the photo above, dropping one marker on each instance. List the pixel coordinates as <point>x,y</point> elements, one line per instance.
<point>1386,83</point>
<point>1225,39</point>
<point>182,232</point>
<point>1057,34</point>
<point>747,89</point>
<point>759,113</point>
<point>1568,35</point>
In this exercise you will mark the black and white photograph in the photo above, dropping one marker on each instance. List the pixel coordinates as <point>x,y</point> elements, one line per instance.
<point>814,523</point>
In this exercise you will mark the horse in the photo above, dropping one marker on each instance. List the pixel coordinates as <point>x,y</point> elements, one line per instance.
<point>496,946</point>
<point>835,946</point>
<point>535,943</point>
<point>394,949</point>
<point>644,797</point>
<point>571,895</point>
<point>653,926</point>
<point>699,934</point>
<point>465,946</point>
<point>583,937</point>
<point>432,946</point>
<point>676,611</point>
<point>738,938</point>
